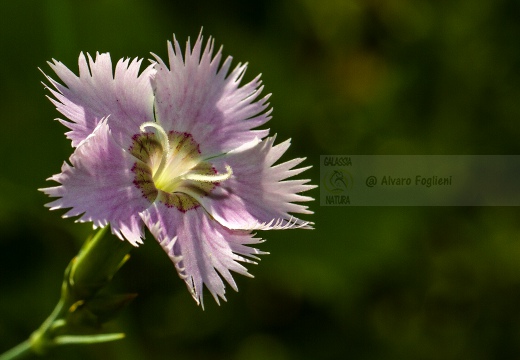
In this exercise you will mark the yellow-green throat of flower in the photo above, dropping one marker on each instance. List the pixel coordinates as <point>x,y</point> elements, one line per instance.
<point>169,168</point>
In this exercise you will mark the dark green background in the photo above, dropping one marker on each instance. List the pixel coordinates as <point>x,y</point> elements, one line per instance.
<point>347,77</point>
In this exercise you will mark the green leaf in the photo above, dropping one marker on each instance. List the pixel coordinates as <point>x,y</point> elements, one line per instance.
<point>87,339</point>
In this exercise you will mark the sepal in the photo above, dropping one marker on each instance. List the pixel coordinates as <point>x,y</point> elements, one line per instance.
<point>95,312</point>
<point>96,264</point>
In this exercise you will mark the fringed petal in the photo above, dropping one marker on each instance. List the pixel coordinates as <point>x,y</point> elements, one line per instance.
<point>98,187</point>
<point>125,96</point>
<point>203,251</point>
<point>258,196</point>
<point>193,95</point>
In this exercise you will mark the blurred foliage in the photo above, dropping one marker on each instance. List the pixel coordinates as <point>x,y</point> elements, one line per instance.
<point>347,77</point>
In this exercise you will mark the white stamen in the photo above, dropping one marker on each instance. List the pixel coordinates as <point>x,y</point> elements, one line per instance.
<point>165,143</point>
<point>209,178</point>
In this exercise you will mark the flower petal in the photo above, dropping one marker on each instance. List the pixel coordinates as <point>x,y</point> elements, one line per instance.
<point>193,95</point>
<point>202,250</point>
<point>256,197</point>
<point>126,97</point>
<point>98,186</point>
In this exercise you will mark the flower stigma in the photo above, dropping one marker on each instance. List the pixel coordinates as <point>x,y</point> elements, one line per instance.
<point>169,167</point>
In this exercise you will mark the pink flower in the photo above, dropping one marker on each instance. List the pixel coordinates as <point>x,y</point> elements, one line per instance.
<point>173,148</point>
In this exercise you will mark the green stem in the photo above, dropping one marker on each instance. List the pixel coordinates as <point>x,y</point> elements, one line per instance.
<point>91,270</point>
<point>42,338</point>
<point>20,351</point>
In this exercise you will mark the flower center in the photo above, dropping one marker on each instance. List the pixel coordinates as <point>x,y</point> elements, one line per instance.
<point>171,169</point>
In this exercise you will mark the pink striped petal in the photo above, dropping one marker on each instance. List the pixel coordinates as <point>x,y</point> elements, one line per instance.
<point>258,196</point>
<point>98,186</point>
<point>203,251</point>
<point>194,95</point>
<point>126,97</point>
